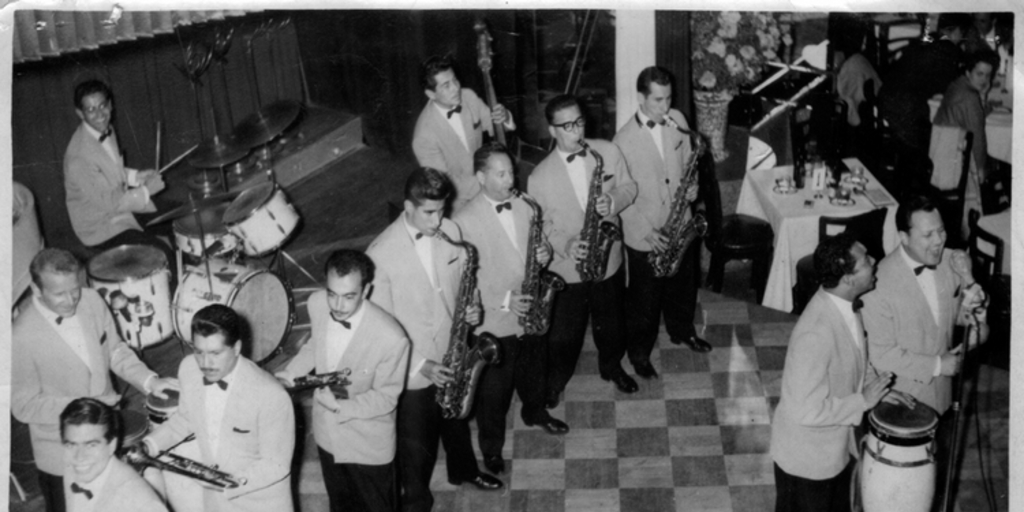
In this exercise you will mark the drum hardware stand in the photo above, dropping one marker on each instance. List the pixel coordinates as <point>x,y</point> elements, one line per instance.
<point>958,396</point>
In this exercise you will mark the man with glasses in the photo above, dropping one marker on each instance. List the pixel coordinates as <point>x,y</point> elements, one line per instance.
<point>103,195</point>
<point>561,185</point>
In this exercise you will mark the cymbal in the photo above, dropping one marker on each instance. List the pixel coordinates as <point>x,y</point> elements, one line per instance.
<point>261,127</point>
<point>216,152</point>
<point>198,205</point>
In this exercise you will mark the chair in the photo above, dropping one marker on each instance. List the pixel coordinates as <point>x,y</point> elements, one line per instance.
<point>866,227</point>
<point>890,35</point>
<point>986,251</point>
<point>734,236</point>
<point>949,156</point>
<point>818,128</point>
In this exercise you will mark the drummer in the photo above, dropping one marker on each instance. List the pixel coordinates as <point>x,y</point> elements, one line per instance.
<point>103,195</point>
<point>827,385</point>
<point>64,345</point>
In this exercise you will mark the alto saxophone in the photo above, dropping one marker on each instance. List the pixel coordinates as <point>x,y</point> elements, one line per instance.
<point>598,234</point>
<point>465,362</point>
<point>680,234</point>
<point>538,283</point>
<point>217,479</point>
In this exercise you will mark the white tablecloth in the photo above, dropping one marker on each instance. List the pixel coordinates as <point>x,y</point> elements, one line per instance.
<point>796,226</point>
<point>999,225</point>
<point>998,130</point>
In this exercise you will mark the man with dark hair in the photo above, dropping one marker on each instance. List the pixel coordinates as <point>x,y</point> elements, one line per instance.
<point>417,281</point>
<point>242,418</point>
<point>827,385</point>
<point>102,194</point>
<point>451,127</point>
<point>355,436</point>
<point>95,479</point>
<point>924,291</point>
<point>64,346</point>
<point>660,156</point>
<point>561,184</point>
<point>964,104</point>
<point>497,222</point>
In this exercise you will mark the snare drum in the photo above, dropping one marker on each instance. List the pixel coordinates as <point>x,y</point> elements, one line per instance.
<point>259,297</point>
<point>187,235</point>
<point>135,282</point>
<point>897,466</point>
<point>262,218</point>
<point>134,426</point>
<point>160,409</point>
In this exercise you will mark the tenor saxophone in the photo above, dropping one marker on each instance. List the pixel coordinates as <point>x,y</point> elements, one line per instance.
<point>217,479</point>
<point>538,283</point>
<point>680,234</point>
<point>465,362</point>
<point>598,234</point>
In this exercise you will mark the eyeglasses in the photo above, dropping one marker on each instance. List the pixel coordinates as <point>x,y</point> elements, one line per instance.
<point>579,123</point>
<point>96,108</point>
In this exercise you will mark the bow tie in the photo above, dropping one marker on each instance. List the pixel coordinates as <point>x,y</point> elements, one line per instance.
<point>652,124</point>
<point>75,488</point>
<point>507,205</point>
<point>106,134</point>
<point>344,323</point>
<point>454,111</point>
<point>420,235</point>
<point>59,320</point>
<point>221,384</point>
<point>857,304</point>
<point>920,268</point>
<point>582,154</point>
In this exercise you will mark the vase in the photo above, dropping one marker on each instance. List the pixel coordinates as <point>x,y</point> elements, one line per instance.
<point>712,119</point>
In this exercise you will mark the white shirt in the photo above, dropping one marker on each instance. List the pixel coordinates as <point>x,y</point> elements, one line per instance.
<point>83,504</point>
<point>655,132</point>
<point>338,337</point>
<point>577,170</point>
<point>506,219</point>
<point>926,280</point>
<point>846,310</point>
<point>424,249</point>
<point>216,403</point>
<point>69,329</point>
<point>455,121</point>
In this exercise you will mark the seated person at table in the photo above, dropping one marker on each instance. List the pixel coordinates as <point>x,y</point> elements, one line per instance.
<point>964,103</point>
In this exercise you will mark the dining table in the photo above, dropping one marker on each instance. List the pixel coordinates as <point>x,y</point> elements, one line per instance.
<point>794,219</point>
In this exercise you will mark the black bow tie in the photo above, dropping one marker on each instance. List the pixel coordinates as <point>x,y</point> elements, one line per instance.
<point>221,384</point>
<point>106,134</point>
<point>652,124</point>
<point>75,488</point>
<point>420,235</point>
<point>507,205</point>
<point>919,269</point>
<point>344,323</point>
<point>857,304</point>
<point>454,111</point>
<point>59,320</point>
<point>582,154</point>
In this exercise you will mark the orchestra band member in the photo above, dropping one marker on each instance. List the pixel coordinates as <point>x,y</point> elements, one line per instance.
<point>95,480</point>
<point>417,281</point>
<point>240,415</point>
<point>924,290</point>
<point>356,436</point>
<point>658,155</point>
<point>103,195</point>
<point>451,127</point>
<point>827,385</point>
<point>497,223</point>
<point>561,183</point>
<point>63,346</point>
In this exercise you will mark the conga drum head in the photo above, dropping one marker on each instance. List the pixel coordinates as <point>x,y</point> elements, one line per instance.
<point>157,404</point>
<point>210,219</point>
<point>127,262</point>
<point>898,420</point>
<point>248,202</point>
<point>135,426</point>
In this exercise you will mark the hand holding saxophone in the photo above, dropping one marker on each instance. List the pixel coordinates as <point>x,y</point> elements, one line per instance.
<point>543,254</point>
<point>657,241</point>
<point>474,312</point>
<point>519,304</point>
<point>604,205</point>
<point>578,250</point>
<point>436,372</point>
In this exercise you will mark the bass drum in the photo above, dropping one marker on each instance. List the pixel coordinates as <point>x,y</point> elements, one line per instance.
<point>259,297</point>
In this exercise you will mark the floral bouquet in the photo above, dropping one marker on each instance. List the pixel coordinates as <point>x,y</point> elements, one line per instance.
<point>730,48</point>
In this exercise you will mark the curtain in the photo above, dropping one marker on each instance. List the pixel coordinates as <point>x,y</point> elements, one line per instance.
<point>672,51</point>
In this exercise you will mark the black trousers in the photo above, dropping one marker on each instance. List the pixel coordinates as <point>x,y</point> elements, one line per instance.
<point>372,488</point>
<point>521,369</point>
<point>420,425</point>
<point>797,494</point>
<point>649,298</point>
<point>52,487</point>
<point>135,237</point>
<point>599,303</point>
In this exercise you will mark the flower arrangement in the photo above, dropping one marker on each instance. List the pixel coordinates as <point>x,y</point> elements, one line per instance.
<point>730,48</point>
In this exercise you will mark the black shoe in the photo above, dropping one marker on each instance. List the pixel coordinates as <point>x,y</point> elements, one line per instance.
<point>494,463</point>
<point>645,370</point>
<point>551,401</point>
<point>482,481</point>
<point>624,382</point>
<point>696,344</point>
<point>553,426</point>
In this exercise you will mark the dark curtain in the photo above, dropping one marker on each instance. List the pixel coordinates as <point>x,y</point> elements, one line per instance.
<point>672,48</point>
<point>147,88</point>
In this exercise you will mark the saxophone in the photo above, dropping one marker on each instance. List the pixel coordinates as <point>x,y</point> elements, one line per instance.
<point>219,480</point>
<point>466,363</point>
<point>680,234</point>
<point>538,283</point>
<point>598,234</point>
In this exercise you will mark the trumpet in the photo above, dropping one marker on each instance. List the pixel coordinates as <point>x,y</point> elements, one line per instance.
<point>219,480</point>
<point>336,380</point>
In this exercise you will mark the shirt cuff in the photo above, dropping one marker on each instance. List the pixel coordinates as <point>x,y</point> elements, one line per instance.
<point>938,366</point>
<point>133,177</point>
<point>505,303</point>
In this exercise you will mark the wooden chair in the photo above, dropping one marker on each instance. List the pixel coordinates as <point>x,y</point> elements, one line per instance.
<point>986,251</point>
<point>883,48</point>
<point>951,201</point>
<point>866,227</point>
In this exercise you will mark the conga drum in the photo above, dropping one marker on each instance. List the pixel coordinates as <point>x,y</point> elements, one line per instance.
<point>897,466</point>
<point>134,280</point>
<point>160,409</point>
<point>134,427</point>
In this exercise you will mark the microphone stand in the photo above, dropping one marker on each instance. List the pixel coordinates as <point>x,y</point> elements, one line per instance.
<point>958,394</point>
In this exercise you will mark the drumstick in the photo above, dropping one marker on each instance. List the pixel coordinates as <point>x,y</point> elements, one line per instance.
<point>158,129</point>
<point>176,160</point>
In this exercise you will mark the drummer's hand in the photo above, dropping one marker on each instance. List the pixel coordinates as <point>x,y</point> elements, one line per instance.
<point>285,379</point>
<point>154,182</point>
<point>327,399</point>
<point>900,398</point>
<point>877,388</point>
<point>951,362</point>
<point>159,385</point>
